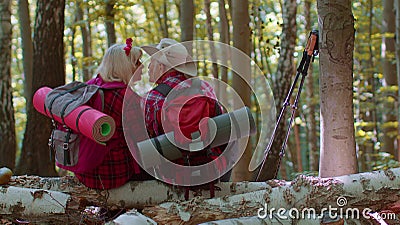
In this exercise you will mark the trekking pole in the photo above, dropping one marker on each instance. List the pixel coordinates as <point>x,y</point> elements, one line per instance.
<point>310,51</point>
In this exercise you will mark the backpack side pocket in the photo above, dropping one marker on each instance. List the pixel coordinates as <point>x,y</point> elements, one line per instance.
<point>66,147</point>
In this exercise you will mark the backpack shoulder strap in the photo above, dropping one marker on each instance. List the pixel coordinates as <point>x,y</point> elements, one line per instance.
<point>101,93</point>
<point>163,89</point>
<point>196,83</point>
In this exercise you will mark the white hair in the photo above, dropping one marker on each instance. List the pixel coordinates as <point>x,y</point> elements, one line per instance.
<point>117,66</point>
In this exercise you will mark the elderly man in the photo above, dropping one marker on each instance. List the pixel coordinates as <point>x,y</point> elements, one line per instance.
<point>171,68</point>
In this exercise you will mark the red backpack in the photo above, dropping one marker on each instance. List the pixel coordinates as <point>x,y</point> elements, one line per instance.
<point>184,112</point>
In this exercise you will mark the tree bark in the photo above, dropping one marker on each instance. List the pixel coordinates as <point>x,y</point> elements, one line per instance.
<point>311,115</point>
<point>224,32</point>
<point>140,194</point>
<point>336,24</point>
<point>165,21</point>
<point>281,85</point>
<point>27,46</point>
<point>132,217</point>
<point>48,70</point>
<point>210,35</point>
<point>397,35</point>
<point>241,41</point>
<point>374,191</point>
<point>24,201</point>
<point>110,27</point>
<point>389,73</point>
<point>187,22</point>
<point>72,55</point>
<point>7,121</point>
<point>86,41</point>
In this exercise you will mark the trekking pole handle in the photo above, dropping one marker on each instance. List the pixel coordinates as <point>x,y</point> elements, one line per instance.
<point>312,43</point>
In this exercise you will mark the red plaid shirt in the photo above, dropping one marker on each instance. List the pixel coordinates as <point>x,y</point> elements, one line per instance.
<point>153,103</point>
<point>118,165</point>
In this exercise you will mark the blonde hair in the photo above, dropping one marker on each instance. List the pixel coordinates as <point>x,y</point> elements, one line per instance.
<point>117,66</point>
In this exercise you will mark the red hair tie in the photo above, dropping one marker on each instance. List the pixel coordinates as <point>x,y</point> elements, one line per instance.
<point>128,46</point>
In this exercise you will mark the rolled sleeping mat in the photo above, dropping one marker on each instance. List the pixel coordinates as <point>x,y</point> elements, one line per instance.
<point>231,126</point>
<point>222,129</point>
<point>86,120</point>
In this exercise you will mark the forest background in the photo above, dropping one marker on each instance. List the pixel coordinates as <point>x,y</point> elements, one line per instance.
<point>277,34</point>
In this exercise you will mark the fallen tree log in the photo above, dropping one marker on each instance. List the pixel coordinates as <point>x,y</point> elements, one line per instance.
<point>372,191</point>
<point>76,197</point>
<point>135,194</point>
<point>132,217</point>
<point>32,201</point>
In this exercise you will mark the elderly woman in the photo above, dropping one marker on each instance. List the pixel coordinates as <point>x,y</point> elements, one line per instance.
<point>110,165</point>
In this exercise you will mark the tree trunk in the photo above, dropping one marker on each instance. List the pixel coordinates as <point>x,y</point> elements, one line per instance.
<point>73,56</point>
<point>187,22</point>
<point>241,41</point>
<point>374,191</point>
<point>158,14</point>
<point>110,28</point>
<point>389,73</point>
<point>336,24</point>
<point>282,84</point>
<point>312,123</point>
<point>299,160</point>
<point>140,194</point>
<point>397,35</point>
<point>224,38</point>
<point>48,69</point>
<point>7,121</point>
<point>397,38</point>
<point>186,19</point>
<point>86,42</point>
<point>165,18</point>
<point>367,191</point>
<point>210,35</point>
<point>27,46</point>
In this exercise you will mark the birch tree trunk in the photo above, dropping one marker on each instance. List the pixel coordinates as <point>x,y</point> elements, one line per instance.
<point>376,191</point>
<point>134,194</point>
<point>7,121</point>
<point>356,193</point>
<point>336,22</point>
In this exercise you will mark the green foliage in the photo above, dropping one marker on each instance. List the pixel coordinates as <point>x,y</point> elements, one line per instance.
<point>383,161</point>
